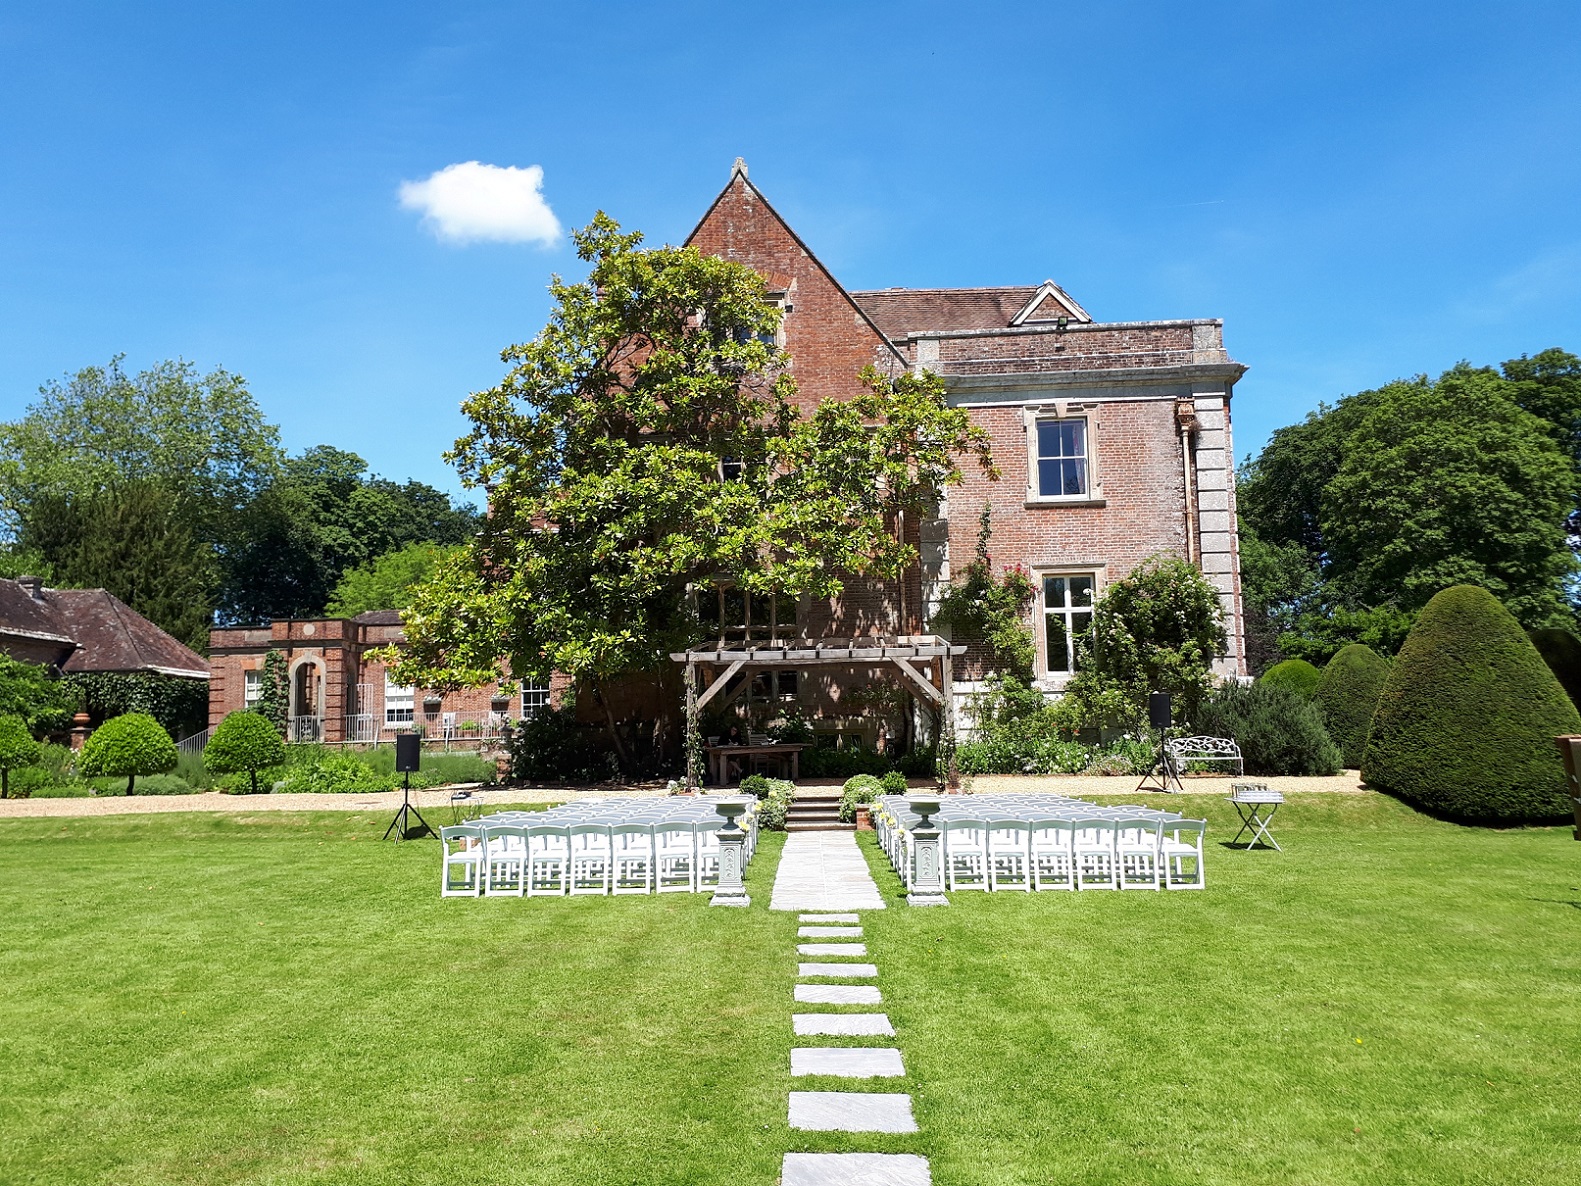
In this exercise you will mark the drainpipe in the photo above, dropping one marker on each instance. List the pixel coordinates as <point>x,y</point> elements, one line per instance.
<point>1186,417</point>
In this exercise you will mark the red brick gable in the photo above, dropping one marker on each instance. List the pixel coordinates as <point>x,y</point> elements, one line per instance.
<point>829,336</point>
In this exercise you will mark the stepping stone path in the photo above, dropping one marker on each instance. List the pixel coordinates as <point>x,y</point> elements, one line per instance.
<point>824,872</point>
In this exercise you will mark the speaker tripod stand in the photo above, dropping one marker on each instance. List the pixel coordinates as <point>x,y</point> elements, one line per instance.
<point>401,825</point>
<point>1163,776</point>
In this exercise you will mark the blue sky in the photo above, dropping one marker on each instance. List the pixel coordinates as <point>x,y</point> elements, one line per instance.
<point>1361,191</point>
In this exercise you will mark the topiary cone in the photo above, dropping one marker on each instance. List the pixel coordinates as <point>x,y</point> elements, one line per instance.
<point>1466,719</point>
<point>1348,694</point>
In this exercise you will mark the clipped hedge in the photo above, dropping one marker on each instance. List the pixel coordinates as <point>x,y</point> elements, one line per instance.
<point>1466,720</point>
<point>244,743</point>
<point>775,806</point>
<point>17,749</point>
<point>1561,650</point>
<point>1279,730</point>
<point>862,788</point>
<point>1297,675</point>
<point>1348,695</point>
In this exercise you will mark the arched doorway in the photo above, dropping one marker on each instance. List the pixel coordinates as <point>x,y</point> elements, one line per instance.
<point>306,721</point>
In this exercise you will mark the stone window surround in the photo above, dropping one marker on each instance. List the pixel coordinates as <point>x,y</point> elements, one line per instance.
<point>1064,410</point>
<point>1098,571</point>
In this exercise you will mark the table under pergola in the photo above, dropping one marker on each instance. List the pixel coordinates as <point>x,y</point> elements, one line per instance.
<point>711,666</point>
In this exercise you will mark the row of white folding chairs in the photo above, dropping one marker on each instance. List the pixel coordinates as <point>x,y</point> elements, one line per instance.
<point>584,857</point>
<point>1106,852</point>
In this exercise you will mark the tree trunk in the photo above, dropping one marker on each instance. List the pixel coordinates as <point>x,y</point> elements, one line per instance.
<point>254,774</point>
<point>130,779</point>
<point>5,782</point>
<point>614,731</point>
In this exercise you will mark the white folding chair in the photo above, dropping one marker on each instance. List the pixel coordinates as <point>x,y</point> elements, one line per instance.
<point>675,856</point>
<point>1010,855</point>
<point>631,848</point>
<point>1180,854</point>
<point>504,860</point>
<point>463,850</point>
<point>965,853</point>
<point>591,866</point>
<point>548,860</point>
<point>1093,849</point>
<point>708,852</point>
<point>1136,852</point>
<point>1053,864</point>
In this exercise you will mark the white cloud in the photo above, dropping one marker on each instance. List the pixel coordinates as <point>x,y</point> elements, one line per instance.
<point>474,202</point>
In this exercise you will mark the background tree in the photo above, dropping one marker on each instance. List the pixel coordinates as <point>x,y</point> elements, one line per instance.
<point>386,582</point>
<point>324,516</point>
<point>244,742</point>
<point>650,428</point>
<point>1156,630</point>
<point>126,747</point>
<point>202,438</point>
<point>132,539</point>
<point>17,748</point>
<point>27,690</point>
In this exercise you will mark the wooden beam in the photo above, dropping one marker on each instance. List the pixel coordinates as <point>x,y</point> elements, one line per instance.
<point>720,682</point>
<point>926,685</point>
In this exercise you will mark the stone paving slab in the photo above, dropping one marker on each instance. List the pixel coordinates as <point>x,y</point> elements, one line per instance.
<point>822,871</point>
<point>842,1025</point>
<point>849,1062</point>
<point>850,1111</point>
<point>855,1169</point>
<point>847,971</point>
<point>830,933</point>
<point>831,949</point>
<point>838,994</point>
<point>829,918</point>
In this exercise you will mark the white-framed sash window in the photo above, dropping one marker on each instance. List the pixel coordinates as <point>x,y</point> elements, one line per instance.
<point>400,702</point>
<point>1067,599</point>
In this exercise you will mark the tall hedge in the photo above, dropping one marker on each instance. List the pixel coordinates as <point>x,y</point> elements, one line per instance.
<point>1295,674</point>
<point>1466,720</point>
<point>1561,650</point>
<point>1279,730</point>
<point>1347,696</point>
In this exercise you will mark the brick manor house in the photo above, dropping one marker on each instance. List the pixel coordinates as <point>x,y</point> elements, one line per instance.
<point>1113,439</point>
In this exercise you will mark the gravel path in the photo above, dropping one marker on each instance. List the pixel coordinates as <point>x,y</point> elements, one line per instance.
<point>1077,785</point>
<point>384,801</point>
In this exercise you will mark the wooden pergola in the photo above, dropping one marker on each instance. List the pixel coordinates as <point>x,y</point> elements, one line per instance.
<point>913,655</point>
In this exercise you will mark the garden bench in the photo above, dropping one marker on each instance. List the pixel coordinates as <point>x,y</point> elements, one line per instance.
<point>1182,750</point>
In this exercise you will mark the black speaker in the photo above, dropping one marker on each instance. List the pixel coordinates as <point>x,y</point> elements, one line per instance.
<point>408,753</point>
<point>1159,714</point>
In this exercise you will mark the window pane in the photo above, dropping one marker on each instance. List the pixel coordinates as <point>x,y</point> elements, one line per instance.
<point>708,606</point>
<point>785,611</point>
<point>1053,592</point>
<point>1058,646</point>
<point>1048,478</point>
<point>1072,435</point>
<point>1081,590</point>
<point>788,683</point>
<point>1048,438</point>
<point>1073,477</point>
<point>735,608</point>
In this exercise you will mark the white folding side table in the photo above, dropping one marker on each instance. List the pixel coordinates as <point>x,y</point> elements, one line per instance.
<point>1256,803</point>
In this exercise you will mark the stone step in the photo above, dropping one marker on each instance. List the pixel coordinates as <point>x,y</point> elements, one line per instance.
<point>842,1025</point>
<point>850,1111</point>
<point>829,932</point>
<point>814,794</point>
<point>818,826</point>
<point>829,918</point>
<point>852,949</point>
<point>838,994</point>
<point>855,1169</point>
<point>848,1062</point>
<point>839,971</point>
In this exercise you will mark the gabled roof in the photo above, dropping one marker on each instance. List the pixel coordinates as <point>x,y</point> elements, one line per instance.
<point>901,312</point>
<point>738,176</point>
<point>108,635</point>
<point>1050,303</point>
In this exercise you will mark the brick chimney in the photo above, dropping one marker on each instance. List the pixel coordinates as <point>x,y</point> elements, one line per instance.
<point>34,587</point>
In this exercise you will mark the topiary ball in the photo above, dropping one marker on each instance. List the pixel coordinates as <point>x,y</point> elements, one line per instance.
<point>126,746</point>
<point>244,743</point>
<point>17,748</point>
<point>1347,695</point>
<point>1466,721</point>
<point>1296,674</point>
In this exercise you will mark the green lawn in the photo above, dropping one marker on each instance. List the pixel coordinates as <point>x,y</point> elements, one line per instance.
<point>282,998</point>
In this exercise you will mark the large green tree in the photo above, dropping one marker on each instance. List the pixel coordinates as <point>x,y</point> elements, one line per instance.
<point>1395,493</point>
<point>200,437</point>
<point>646,444</point>
<point>131,538</point>
<point>325,515</point>
<point>385,582</point>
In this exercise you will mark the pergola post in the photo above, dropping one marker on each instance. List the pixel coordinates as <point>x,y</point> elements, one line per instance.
<point>946,742</point>
<point>693,756</point>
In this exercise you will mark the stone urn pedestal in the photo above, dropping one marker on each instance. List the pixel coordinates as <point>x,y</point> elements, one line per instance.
<point>732,854</point>
<point>927,853</point>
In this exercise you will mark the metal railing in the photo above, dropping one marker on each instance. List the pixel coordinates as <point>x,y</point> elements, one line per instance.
<point>304,729</point>
<point>193,747</point>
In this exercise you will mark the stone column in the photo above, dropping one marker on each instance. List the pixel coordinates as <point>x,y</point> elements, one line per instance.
<point>732,856</point>
<point>927,883</point>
